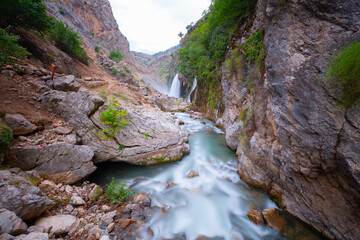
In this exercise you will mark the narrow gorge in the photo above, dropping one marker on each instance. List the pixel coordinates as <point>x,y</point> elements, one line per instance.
<point>248,129</point>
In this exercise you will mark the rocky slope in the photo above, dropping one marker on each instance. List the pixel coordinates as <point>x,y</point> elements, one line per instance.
<point>159,65</point>
<point>291,137</point>
<point>94,21</point>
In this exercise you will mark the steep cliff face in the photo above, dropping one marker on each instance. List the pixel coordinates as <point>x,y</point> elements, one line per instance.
<point>291,136</point>
<point>94,21</point>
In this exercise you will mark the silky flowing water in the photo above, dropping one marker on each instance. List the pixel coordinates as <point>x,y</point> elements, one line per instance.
<point>214,204</point>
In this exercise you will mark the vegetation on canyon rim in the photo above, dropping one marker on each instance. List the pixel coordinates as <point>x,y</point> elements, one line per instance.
<point>344,71</point>
<point>31,15</point>
<point>205,46</point>
<point>5,138</point>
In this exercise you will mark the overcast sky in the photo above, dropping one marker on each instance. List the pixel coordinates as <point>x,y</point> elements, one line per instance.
<point>153,25</point>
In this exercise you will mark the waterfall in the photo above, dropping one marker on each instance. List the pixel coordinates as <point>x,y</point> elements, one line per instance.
<point>175,87</point>
<point>192,89</point>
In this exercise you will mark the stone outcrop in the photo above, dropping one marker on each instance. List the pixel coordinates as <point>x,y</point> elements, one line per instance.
<point>18,195</point>
<point>10,223</point>
<point>59,162</point>
<point>59,224</point>
<point>66,83</point>
<point>291,136</point>
<point>149,138</point>
<point>19,124</point>
<point>169,104</point>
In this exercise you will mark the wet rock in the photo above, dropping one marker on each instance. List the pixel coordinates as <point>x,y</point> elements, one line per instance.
<point>19,124</point>
<point>10,223</point>
<point>256,217</point>
<point>66,83</point>
<point>274,219</point>
<point>63,130</point>
<point>60,223</point>
<point>181,122</point>
<point>20,196</point>
<point>128,222</point>
<point>192,174</point>
<point>59,162</point>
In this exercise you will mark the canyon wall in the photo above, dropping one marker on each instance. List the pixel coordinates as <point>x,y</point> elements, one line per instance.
<point>291,136</point>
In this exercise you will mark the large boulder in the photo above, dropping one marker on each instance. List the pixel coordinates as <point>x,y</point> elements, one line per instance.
<point>19,124</point>
<point>33,236</point>
<point>66,83</point>
<point>149,138</point>
<point>10,223</point>
<point>18,195</point>
<point>59,162</point>
<point>59,224</point>
<point>169,104</point>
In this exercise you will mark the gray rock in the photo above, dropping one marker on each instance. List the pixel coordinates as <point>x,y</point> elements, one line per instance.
<point>37,229</point>
<point>10,223</point>
<point>66,83</point>
<point>150,138</point>
<point>63,130</point>
<point>169,104</point>
<point>60,223</point>
<point>19,124</point>
<point>109,217</point>
<point>33,236</point>
<point>50,83</point>
<point>69,208</point>
<point>59,162</point>
<point>6,236</point>
<point>77,201</point>
<point>17,194</point>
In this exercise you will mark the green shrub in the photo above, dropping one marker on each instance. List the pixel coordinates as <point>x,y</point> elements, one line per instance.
<point>68,41</point>
<point>113,119</point>
<point>114,71</point>
<point>9,49</point>
<point>127,69</point>
<point>29,14</point>
<point>122,74</point>
<point>344,72</point>
<point>5,139</point>
<point>61,12</point>
<point>97,49</point>
<point>116,56</point>
<point>234,63</point>
<point>254,48</point>
<point>116,192</point>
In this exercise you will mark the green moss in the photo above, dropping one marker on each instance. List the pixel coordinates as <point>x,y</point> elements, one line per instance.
<point>114,71</point>
<point>254,48</point>
<point>344,72</point>
<point>122,74</point>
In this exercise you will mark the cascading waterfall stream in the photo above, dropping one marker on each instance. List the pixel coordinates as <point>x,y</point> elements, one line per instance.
<point>192,89</point>
<point>175,87</point>
<point>213,204</point>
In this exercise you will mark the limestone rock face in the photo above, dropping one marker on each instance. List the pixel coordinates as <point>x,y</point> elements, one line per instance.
<point>169,104</point>
<point>10,223</point>
<point>66,83</point>
<point>19,124</point>
<point>291,137</point>
<point>94,21</point>
<point>59,162</point>
<point>18,195</point>
<point>149,138</point>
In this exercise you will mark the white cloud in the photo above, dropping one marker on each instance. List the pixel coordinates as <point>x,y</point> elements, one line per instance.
<point>153,25</point>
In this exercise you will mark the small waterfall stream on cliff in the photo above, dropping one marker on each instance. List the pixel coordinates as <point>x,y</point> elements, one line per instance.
<point>175,87</point>
<point>192,89</point>
<point>214,204</point>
